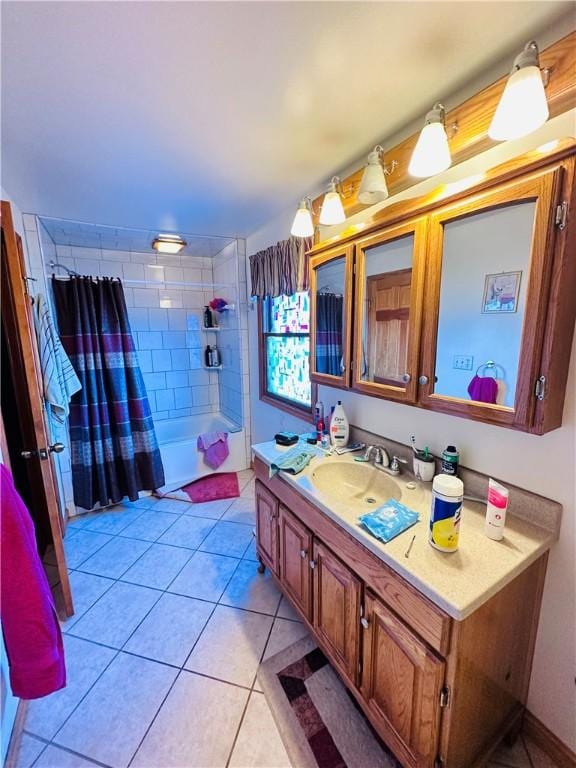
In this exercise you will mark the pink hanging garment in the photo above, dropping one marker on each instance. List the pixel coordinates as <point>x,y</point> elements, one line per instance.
<point>483,389</point>
<point>214,445</point>
<point>31,631</point>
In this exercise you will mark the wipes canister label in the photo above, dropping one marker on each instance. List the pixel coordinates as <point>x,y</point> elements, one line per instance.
<point>445,523</point>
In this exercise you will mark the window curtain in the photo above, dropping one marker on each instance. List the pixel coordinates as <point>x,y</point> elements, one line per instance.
<point>114,450</point>
<point>281,269</point>
<point>329,308</point>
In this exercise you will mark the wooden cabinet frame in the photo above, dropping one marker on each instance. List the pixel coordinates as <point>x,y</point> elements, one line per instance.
<point>418,229</point>
<point>346,252</point>
<point>542,188</point>
<point>544,175</point>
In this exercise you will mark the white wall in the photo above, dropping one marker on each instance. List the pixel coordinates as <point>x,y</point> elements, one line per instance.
<point>544,465</point>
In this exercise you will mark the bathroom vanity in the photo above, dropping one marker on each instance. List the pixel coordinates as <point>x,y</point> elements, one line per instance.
<point>436,648</point>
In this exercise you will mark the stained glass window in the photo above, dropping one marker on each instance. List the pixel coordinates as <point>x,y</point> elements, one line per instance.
<point>286,329</point>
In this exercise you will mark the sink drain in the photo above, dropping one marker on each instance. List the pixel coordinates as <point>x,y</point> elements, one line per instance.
<point>370,500</point>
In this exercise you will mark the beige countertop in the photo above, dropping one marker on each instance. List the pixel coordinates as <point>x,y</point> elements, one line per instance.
<point>458,582</point>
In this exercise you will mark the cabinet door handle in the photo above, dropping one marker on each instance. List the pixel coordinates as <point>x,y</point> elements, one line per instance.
<point>406,378</point>
<point>423,380</point>
<point>364,621</point>
<point>303,553</point>
<point>312,564</point>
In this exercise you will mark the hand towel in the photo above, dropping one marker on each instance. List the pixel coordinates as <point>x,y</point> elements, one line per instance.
<point>483,389</point>
<point>59,378</point>
<point>293,462</point>
<point>29,623</point>
<point>214,445</point>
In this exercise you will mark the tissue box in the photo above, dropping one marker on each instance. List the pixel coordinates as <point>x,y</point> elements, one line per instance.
<point>389,520</point>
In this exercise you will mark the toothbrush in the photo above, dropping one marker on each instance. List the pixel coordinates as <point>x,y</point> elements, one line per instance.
<point>413,441</point>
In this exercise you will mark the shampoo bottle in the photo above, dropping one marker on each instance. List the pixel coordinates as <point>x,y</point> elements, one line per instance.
<point>496,510</point>
<point>339,427</point>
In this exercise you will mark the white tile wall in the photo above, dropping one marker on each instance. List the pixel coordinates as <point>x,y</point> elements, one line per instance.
<point>166,322</point>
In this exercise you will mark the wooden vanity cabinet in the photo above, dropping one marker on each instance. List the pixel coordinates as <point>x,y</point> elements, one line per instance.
<point>337,600</point>
<point>295,556</point>
<point>402,681</point>
<point>441,693</point>
<point>267,527</point>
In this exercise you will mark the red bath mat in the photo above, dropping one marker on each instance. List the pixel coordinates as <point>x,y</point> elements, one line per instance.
<point>223,485</point>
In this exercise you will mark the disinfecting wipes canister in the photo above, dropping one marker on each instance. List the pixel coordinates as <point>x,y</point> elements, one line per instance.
<point>447,495</point>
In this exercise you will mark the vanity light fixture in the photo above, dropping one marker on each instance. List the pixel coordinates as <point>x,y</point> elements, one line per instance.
<point>303,226</point>
<point>171,244</point>
<point>373,188</point>
<point>522,107</point>
<point>431,154</point>
<point>332,211</point>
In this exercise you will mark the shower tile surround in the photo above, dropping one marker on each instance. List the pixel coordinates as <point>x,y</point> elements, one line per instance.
<point>166,323</point>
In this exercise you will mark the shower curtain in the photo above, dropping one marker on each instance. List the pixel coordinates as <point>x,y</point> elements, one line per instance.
<point>329,333</point>
<point>114,450</point>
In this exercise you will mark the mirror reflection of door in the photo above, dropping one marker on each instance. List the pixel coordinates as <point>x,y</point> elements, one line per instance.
<point>388,270</point>
<point>388,315</point>
<point>330,279</point>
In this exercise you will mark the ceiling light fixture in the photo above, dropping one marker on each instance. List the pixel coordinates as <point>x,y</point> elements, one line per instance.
<point>332,211</point>
<point>303,226</point>
<point>171,244</point>
<point>522,107</point>
<point>431,154</point>
<point>373,187</point>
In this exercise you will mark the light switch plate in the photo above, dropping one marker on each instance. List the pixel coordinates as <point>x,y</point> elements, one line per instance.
<point>463,362</point>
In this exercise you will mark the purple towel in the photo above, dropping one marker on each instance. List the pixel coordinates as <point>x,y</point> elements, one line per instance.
<point>483,389</point>
<point>214,445</point>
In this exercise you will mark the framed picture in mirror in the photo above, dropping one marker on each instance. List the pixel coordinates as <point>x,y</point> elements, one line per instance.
<point>501,292</point>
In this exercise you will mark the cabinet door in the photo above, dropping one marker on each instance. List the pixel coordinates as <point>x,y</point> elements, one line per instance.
<point>267,526</point>
<point>388,296</point>
<point>490,265</point>
<point>401,684</point>
<point>295,554</point>
<point>337,596</point>
<point>331,316</point>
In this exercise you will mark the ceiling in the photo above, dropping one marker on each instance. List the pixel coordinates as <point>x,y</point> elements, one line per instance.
<point>87,235</point>
<point>210,117</point>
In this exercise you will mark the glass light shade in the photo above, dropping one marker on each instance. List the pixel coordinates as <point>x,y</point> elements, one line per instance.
<point>168,244</point>
<point>431,154</point>
<point>303,226</point>
<point>332,211</point>
<point>522,107</point>
<point>373,187</point>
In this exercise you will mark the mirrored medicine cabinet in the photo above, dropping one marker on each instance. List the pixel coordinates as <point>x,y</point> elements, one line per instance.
<point>464,306</point>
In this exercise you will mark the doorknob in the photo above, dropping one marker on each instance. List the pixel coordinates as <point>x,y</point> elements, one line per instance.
<point>56,447</point>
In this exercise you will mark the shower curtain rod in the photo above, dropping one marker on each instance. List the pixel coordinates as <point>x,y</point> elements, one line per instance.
<point>151,283</point>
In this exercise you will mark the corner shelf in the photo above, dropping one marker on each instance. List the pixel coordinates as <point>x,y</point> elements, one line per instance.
<point>212,367</point>
<point>214,328</point>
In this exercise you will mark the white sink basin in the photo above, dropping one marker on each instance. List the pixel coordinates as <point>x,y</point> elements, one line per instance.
<point>359,485</point>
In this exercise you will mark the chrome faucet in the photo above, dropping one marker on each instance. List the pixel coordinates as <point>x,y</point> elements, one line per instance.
<point>382,459</point>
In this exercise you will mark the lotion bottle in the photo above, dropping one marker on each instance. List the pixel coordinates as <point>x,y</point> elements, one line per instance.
<point>496,510</point>
<point>339,427</point>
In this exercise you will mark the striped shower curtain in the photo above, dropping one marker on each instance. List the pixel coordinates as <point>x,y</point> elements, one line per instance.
<point>114,450</point>
<point>329,333</point>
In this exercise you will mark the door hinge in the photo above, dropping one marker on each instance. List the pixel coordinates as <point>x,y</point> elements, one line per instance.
<point>445,696</point>
<point>561,215</point>
<point>540,388</point>
<point>438,763</point>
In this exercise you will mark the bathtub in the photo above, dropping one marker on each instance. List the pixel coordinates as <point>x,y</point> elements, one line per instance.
<point>182,461</point>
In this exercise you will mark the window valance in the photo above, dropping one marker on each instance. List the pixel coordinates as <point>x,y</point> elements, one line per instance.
<point>280,269</point>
